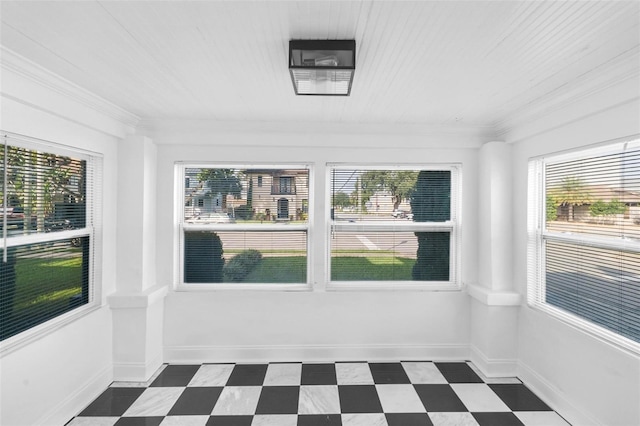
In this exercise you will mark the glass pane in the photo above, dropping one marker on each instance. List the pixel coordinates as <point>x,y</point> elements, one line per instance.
<point>245,257</point>
<point>598,196</point>
<point>42,281</point>
<point>261,196</point>
<point>390,256</point>
<point>391,195</point>
<point>45,192</point>
<point>599,285</point>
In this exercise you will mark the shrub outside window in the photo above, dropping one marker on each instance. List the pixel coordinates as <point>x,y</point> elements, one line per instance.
<point>48,195</point>
<point>584,239</point>
<point>242,226</point>
<point>394,226</point>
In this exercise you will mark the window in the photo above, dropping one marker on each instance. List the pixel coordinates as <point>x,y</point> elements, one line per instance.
<point>584,239</point>
<point>394,224</point>
<point>241,234</point>
<point>48,195</point>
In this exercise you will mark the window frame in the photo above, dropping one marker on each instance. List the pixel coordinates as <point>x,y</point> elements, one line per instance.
<point>91,230</point>
<point>538,235</point>
<point>181,226</point>
<point>453,225</point>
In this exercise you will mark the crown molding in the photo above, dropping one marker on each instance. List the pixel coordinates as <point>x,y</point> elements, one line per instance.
<point>11,61</point>
<point>296,133</point>
<point>616,71</point>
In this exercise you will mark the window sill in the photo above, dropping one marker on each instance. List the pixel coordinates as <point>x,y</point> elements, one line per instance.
<point>242,287</point>
<point>605,336</point>
<point>35,333</point>
<point>391,286</point>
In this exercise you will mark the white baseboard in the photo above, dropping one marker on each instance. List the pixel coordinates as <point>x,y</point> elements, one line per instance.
<point>78,400</point>
<point>553,397</point>
<point>309,353</point>
<point>493,367</point>
<point>135,371</point>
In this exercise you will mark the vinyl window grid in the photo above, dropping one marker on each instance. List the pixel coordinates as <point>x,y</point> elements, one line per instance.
<point>183,225</point>
<point>452,226</point>
<point>92,230</point>
<point>540,237</point>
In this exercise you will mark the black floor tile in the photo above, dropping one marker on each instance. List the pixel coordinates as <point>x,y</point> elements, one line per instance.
<point>175,375</point>
<point>113,402</point>
<point>359,399</point>
<point>319,374</point>
<point>519,398</point>
<point>439,398</point>
<point>320,420</point>
<point>497,419</point>
<point>230,421</point>
<point>248,375</point>
<point>196,401</point>
<point>387,373</point>
<point>408,419</point>
<point>458,372</point>
<point>278,400</point>
<point>139,421</point>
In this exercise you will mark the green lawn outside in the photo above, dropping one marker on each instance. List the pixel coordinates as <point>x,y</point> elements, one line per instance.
<point>292,269</point>
<point>44,288</point>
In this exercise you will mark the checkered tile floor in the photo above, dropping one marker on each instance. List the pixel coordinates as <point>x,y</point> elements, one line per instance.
<point>305,394</point>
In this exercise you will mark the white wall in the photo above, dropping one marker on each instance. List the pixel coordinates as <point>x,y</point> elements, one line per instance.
<point>587,380</point>
<point>243,325</point>
<point>49,380</point>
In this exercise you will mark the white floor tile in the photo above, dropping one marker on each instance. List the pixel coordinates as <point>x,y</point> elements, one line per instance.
<point>423,372</point>
<point>275,420</point>
<point>185,421</point>
<point>540,418</point>
<point>452,419</point>
<point>376,419</point>
<point>93,421</point>
<point>319,400</point>
<point>154,402</point>
<point>283,375</point>
<point>211,375</point>
<point>353,373</point>
<point>399,399</point>
<point>237,400</point>
<point>478,397</point>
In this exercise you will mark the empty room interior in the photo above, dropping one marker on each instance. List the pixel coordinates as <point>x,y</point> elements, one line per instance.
<point>335,212</point>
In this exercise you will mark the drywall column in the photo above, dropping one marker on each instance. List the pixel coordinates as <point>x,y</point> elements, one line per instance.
<point>138,304</point>
<point>494,303</point>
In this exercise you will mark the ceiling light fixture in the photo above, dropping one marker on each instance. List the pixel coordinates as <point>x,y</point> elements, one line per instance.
<point>322,67</point>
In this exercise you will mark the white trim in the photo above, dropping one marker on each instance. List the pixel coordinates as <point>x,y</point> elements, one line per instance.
<point>136,371</point>
<point>308,353</point>
<point>393,286</point>
<point>494,298</point>
<point>492,368</point>
<point>239,227</point>
<point>137,300</point>
<point>393,226</point>
<point>78,399</point>
<point>42,76</point>
<point>554,397</point>
<point>617,70</point>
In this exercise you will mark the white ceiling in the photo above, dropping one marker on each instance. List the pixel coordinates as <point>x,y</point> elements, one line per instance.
<point>440,63</point>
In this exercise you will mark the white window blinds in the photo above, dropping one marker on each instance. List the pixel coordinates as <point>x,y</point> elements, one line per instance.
<point>47,203</point>
<point>585,240</point>
<point>394,223</point>
<point>244,225</point>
